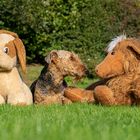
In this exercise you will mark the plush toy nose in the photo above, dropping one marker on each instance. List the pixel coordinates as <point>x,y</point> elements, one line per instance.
<point>87,72</point>
<point>96,70</point>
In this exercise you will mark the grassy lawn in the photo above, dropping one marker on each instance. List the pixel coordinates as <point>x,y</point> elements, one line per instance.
<point>69,122</point>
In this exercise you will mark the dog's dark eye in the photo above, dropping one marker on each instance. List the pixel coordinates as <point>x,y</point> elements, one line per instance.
<point>6,50</point>
<point>112,53</point>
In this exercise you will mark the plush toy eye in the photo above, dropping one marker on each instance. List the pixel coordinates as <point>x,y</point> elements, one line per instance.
<point>112,53</point>
<point>71,58</point>
<point>6,50</point>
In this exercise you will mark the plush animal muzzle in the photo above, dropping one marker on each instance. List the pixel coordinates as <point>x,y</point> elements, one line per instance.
<point>111,66</point>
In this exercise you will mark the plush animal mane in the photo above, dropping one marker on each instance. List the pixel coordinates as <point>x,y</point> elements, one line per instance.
<point>114,42</point>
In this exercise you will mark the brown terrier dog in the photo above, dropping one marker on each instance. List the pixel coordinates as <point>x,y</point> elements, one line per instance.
<point>49,87</point>
<point>121,73</point>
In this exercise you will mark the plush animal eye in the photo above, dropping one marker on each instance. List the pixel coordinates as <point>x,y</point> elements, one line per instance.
<point>6,50</point>
<point>112,53</point>
<point>72,58</point>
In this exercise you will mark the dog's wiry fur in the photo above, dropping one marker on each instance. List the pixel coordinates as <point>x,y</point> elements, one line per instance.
<point>49,87</point>
<point>12,89</point>
<point>121,69</point>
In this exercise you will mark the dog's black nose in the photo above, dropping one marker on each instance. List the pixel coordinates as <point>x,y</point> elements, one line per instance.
<point>87,72</point>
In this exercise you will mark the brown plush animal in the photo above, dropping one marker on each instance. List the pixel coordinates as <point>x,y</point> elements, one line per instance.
<point>120,71</point>
<point>49,87</point>
<point>12,89</point>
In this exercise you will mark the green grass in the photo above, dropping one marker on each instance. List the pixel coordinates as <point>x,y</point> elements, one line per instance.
<point>68,122</point>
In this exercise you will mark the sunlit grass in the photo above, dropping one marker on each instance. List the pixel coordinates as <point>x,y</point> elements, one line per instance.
<point>69,122</point>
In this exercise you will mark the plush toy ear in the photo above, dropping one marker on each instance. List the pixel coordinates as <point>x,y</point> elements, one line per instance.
<point>20,49</point>
<point>52,57</point>
<point>135,46</point>
<point>9,32</point>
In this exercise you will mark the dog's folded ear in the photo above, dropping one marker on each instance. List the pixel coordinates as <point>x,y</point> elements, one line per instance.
<point>51,57</point>
<point>21,53</point>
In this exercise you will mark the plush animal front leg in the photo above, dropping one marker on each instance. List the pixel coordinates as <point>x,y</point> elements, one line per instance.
<point>79,95</point>
<point>104,95</point>
<point>2,100</point>
<point>28,94</point>
<point>21,96</point>
<point>18,98</point>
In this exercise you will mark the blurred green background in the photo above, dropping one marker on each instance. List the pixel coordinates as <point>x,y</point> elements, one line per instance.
<point>82,26</point>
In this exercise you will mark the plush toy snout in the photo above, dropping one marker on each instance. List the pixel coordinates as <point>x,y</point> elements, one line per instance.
<point>111,66</point>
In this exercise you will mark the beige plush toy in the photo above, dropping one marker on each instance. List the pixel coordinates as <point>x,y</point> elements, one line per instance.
<point>12,89</point>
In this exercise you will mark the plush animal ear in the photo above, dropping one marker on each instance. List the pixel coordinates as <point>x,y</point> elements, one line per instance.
<point>135,46</point>
<point>52,57</point>
<point>20,50</point>
<point>9,32</point>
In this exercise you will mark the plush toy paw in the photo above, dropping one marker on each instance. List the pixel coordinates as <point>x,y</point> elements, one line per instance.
<point>79,95</point>
<point>2,100</point>
<point>104,95</point>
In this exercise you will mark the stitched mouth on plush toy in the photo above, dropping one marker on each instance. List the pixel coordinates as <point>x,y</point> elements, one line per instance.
<point>112,75</point>
<point>109,75</point>
<point>4,69</point>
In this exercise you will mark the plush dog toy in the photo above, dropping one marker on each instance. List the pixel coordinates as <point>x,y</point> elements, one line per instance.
<point>12,89</point>
<point>120,71</point>
<point>49,88</point>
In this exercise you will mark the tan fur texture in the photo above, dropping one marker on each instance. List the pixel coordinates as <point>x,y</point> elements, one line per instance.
<point>50,83</point>
<point>12,89</point>
<point>120,68</point>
